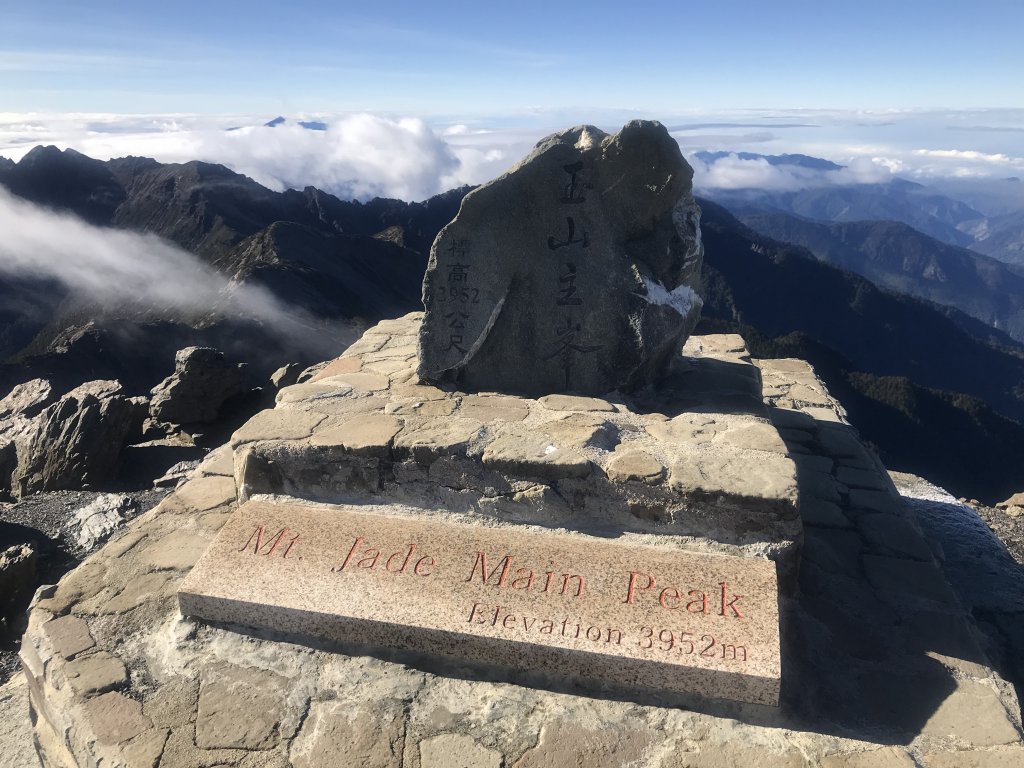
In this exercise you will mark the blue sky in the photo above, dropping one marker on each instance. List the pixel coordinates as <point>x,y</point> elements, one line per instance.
<point>464,59</point>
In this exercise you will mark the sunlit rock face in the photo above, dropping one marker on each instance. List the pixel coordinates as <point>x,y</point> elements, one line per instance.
<point>573,272</point>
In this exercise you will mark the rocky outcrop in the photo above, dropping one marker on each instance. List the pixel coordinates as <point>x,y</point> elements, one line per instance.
<point>25,401</point>
<point>201,382</point>
<point>17,410</point>
<point>573,272</point>
<point>17,580</point>
<point>286,375</point>
<point>74,443</point>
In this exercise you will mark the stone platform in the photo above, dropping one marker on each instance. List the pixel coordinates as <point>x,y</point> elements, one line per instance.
<point>698,459</point>
<point>882,663</point>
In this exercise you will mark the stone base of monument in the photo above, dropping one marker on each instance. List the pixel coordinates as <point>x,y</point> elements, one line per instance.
<point>628,540</point>
<point>696,460</point>
<point>387,608</point>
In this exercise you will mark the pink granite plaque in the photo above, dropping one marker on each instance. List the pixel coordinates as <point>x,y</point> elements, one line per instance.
<point>621,610</point>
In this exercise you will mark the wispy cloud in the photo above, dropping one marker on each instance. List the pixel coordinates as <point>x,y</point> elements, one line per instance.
<point>120,269</point>
<point>971,154</point>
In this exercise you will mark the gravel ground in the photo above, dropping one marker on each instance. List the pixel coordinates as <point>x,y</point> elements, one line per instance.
<point>41,519</point>
<point>1007,525</point>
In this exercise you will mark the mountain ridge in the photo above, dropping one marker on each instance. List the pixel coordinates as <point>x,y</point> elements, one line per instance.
<point>896,256</point>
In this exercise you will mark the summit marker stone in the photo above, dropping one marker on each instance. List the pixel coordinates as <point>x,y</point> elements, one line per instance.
<point>573,272</point>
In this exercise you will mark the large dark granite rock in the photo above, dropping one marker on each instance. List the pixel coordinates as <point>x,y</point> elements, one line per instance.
<point>572,272</point>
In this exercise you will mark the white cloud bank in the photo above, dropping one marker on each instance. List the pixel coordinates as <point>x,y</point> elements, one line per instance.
<point>364,155</point>
<point>119,269</point>
<point>358,156</point>
<point>734,172</point>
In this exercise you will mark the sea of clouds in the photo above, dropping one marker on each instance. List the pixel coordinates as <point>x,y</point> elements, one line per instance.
<point>361,156</point>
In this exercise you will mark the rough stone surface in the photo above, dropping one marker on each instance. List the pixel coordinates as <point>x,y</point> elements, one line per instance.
<point>573,272</point>
<point>69,635</point>
<point>201,382</point>
<point>116,718</point>
<point>973,714</point>
<point>75,442</point>
<point>96,673</point>
<point>454,750</point>
<point>26,400</point>
<point>999,757</point>
<point>335,734</point>
<point>566,744</point>
<point>16,745</point>
<point>738,757</point>
<point>634,465</point>
<point>286,375</point>
<point>889,757</point>
<point>227,688</point>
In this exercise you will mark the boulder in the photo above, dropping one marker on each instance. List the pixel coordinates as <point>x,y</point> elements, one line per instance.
<point>176,474</point>
<point>74,443</point>
<point>201,382</point>
<point>26,400</point>
<point>574,272</point>
<point>17,579</point>
<point>286,375</point>
<point>17,410</point>
<point>1017,500</point>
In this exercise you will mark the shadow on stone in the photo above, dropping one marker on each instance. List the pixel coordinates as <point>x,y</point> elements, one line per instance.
<point>873,635</point>
<point>986,579</point>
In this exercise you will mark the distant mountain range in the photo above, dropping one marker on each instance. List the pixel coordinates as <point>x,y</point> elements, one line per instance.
<point>927,210</point>
<point>937,391</point>
<point>896,256</point>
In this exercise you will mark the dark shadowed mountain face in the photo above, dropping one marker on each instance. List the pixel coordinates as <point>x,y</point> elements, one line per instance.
<point>66,180</point>
<point>895,256</point>
<point>328,274</point>
<point>207,208</point>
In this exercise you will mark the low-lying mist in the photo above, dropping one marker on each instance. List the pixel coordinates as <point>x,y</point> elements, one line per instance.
<point>125,273</point>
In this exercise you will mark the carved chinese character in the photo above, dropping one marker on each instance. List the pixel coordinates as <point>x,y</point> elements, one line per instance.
<point>455,341</point>
<point>583,241</point>
<point>567,347</point>
<point>456,320</point>
<point>457,273</point>
<point>574,189</point>
<point>567,287</point>
<point>458,249</point>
